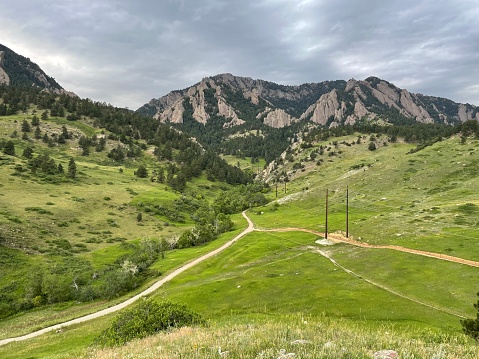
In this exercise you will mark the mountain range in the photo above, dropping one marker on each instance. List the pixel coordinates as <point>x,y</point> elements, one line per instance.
<point>239,100</point>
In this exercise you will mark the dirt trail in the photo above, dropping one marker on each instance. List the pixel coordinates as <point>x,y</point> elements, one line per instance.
<point>334,236</point>
<point>340,238</point>
<point>126,303</point>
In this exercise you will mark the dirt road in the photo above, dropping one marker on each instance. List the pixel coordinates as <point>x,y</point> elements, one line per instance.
<point>126,303</point>
<point>340,238</point>
<point>335,237</point>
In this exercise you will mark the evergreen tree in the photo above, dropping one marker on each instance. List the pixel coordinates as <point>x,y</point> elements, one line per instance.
<point>9,148</point>
<point>72,168</point>
<point>35,121</point>
<point>26,126</point>
<point>45,115</point>
<point>141,172</point>
<point>27,153</point>
<point>38,133</point>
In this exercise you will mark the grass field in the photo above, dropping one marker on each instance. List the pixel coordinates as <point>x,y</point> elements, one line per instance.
<point>269,282</point>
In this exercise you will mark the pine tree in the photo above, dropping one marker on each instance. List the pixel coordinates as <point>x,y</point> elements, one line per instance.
<point>72,168</point>
<point>9,148</point>
<point>27,153</point>
<point>26,126</point>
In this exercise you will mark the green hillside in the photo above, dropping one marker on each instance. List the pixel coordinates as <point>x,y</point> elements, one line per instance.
<point>78,237</point>
<point>90,199</point>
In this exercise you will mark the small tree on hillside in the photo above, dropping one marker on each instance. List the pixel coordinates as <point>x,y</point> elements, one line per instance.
<point>470,327</point>
<point>28,153</point>
<point>26,126</point>
<point>9,148</point>
<point>72,168</point>
<point>141,172</point>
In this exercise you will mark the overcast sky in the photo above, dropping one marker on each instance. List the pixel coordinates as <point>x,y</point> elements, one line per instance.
<point>125,52</point>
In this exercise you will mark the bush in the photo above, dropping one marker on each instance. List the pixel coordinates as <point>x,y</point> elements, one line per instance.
<point>470,327</point>
<point>147,318</point>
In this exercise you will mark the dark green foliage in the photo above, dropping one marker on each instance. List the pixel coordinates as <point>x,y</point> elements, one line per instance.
<point>35,121</point>
<point>26,126</point>
<point>470,327</point>
<point>43,164</point>
<point>241,198</point>
<point>72,168</point>
<point>117,154</point>
<point>27,153</point>
<point>141,172</point>
<point>38,210</point>
<point>9,148</point>
<point>146,318</point>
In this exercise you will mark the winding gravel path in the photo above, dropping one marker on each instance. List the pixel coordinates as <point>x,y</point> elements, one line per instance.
<point>126,303</point>
<point>249,229</point>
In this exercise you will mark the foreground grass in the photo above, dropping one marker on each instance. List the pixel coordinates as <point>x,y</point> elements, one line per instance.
<point>272,289</point>
<point>306,336</point>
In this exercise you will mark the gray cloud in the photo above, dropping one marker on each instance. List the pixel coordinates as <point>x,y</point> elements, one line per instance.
<point>126,52</point>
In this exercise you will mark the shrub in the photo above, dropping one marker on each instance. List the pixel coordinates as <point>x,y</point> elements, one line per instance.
<point>147,318</point>
<point>470,327</point>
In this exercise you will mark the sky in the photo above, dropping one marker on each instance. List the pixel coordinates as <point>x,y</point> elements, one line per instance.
<point>126,52</point>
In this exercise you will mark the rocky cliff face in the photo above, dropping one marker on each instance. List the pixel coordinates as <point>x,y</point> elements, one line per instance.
<point>18,70</point>
<point>4,79</point>
<point>241,99</point>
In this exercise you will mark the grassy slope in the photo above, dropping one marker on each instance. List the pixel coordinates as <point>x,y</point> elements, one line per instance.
<point>419,200</point>
<point>426,200</point>
<point>94,213</point>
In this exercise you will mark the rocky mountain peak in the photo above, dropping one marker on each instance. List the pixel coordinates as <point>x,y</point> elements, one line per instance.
<point>242,99</point>
<point>18,70</point>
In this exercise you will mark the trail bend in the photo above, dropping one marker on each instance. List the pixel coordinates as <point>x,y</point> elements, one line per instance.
<point>334,236</point>
<point>339,238</point>
<point>131,300</point>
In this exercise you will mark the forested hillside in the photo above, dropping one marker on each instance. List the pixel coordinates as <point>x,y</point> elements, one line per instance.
<point>93,195</point>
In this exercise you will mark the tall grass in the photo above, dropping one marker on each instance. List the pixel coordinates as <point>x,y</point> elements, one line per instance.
<point>305,336</point>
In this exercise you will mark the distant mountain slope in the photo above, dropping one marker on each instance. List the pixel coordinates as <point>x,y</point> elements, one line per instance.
<point>17,70</point>
<point>241,99</point>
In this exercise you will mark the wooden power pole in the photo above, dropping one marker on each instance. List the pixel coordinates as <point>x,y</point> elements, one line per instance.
<point>347,212</point>
<point>326,226</point>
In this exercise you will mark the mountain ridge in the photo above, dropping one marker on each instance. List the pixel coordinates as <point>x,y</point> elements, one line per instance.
<point>328,103</point>
<point>18,70</point>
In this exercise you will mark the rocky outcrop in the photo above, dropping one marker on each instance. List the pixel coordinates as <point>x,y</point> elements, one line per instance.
<point>4,79</point>
<point>411,109</point>
<point>328,106</point>
<point>172,113</point>
<point>278,119</point>
<point>465,114</point>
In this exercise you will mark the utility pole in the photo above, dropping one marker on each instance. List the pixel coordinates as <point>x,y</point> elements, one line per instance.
<point>284,186</point>
<point>326,226</point>
<point>276,189</point>
<point>347,212</point>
